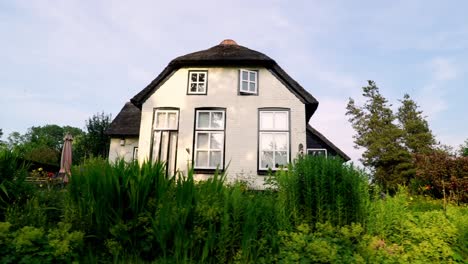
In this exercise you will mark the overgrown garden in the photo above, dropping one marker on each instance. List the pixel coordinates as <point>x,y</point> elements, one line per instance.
<point>317,211</point>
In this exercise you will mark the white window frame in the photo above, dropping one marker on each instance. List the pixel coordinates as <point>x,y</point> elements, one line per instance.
<point>209,121</point>
<point>166,125</point>
<point>209,130</point>
<point>317,149</point>
<point>248,81</point>
<point>273,130</point>
<point>135,153</point>
<point>190,82</point>
<point>208,149</point>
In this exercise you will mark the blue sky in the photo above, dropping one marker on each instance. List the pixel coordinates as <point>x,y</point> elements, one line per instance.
<point>63,61</point>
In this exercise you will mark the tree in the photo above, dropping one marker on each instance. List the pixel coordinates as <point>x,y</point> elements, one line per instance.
<point>463,151</point>
<point>97,141</point>
<point>384,153</point>
<point>417,136</point>
<point>42,143</point>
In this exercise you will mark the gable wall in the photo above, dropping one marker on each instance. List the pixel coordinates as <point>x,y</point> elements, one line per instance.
<point>241,117</point>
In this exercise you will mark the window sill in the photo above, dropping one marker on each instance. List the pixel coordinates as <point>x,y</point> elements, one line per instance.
<point>207,171</point>
<point>247,93</point>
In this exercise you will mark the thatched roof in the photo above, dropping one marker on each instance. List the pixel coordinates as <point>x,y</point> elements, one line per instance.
<point>228,53</point>
<point>127,122</point>
<point>318,138</point>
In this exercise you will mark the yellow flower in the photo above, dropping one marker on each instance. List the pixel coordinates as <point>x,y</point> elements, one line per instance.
<point>40,169</point>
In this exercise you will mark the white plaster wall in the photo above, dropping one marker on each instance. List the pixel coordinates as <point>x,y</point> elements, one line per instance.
<point>126,152</point>
<point>241,117</point>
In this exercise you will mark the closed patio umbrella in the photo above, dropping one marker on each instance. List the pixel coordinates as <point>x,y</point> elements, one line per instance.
<point>66,160</point>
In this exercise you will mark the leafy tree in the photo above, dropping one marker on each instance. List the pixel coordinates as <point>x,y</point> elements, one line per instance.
<point>384,153</point>
<point>96,141</point>
<point>463,151</point>
<point>42,143</point>
<point>2,143</point>
<point>417,136</point>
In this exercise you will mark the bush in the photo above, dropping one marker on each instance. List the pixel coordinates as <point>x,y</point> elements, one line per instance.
<point>14,190</point>
<point>321,189</point>
<point>438,171</point>
<point>36,245</point>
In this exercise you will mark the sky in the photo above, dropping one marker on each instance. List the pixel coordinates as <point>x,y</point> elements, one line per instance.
<point>63,61</point>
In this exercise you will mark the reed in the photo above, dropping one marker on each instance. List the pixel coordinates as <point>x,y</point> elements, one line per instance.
<point>318,189</point>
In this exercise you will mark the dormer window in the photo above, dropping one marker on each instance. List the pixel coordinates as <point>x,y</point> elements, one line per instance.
<point>248,82</point>
<point>197,83</point>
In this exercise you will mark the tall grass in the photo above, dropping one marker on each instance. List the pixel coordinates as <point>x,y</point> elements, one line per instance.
<point>138,211</point>
<point>13,187</point>
<point>319,189</point>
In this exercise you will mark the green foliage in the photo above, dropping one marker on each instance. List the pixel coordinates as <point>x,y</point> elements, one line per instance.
<point>417,136</point>
<point>320,212</point>
<point>439,171</point>
<point>13,188</point>
<point>381,139</point>
<point>416,230</point>
<point>42,143</point>
<point>463,151</point>
<point>36,245</point>
<point>96,141</point>
<point>320,189</point>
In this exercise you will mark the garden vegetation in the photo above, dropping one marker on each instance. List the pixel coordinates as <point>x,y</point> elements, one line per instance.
<point>317,211</point>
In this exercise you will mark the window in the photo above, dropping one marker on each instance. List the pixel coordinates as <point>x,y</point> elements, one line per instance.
<point>135,153</point>
<point>317,152</point>
<point>197,82</point>
<point>273,139</point>
<point>164,138</point>
<point>166,120</point>
<point>248,82</point>
<point>209,139</point>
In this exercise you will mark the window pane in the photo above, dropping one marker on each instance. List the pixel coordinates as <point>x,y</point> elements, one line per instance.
<point>266,159</point>
<point>217,120</point>
<point>193,87</point>
<point>252,87</point>
<point>281,158</point>
<point>201,159</point>
<point>216,141</point>
<point>172,120</point>
<point>156,140</point>
<point>201,88</point>
<point>160,119</point>
<point>281,142</point>
<point>202,140</point>
<point>281,121</point>
<point>267,142</point>
<point>203,119</point>
<point>266,120</point>
<point>253,76</point>
<point>215,159</point>
<point>245,86</point>
<point>245,75</point>
<point>193,77</point>
<point>164,145</point>
<point>201,77</point>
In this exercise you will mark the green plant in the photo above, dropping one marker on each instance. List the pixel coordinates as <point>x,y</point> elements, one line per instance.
<point>319,189</point>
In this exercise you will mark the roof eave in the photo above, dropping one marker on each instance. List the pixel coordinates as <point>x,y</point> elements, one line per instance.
<point>328,142</point>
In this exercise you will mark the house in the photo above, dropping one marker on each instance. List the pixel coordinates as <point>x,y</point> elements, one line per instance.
<point>227,107</point>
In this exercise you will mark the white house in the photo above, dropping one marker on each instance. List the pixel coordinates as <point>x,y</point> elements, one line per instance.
<point>228,108</point>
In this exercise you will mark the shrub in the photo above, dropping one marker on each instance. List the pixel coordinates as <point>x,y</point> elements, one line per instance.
<point>13,188</point>
<point>36,245</point>
<point>323,189</point>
